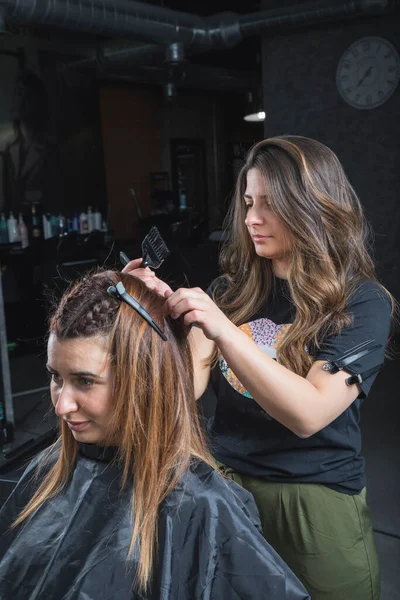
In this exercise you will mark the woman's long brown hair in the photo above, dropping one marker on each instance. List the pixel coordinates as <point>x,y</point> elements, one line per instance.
<point>329,243</point>
<point>155,423</point>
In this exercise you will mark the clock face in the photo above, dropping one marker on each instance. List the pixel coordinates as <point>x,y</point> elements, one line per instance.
<point>368,72</point>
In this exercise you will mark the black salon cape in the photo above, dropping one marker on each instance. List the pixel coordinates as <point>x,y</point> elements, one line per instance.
<point>75,545</point>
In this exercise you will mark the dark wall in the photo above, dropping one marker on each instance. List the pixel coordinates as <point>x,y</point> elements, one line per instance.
<point>300,97</point>
<point>27,154</point>
<point>76,125</point>
<point>50,142</point>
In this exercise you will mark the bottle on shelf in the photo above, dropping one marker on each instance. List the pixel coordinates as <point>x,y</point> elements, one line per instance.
<point>36,222</point>
<point>75,222</point>
<point>62,225</point>
<point>182,200</point>
<point>53,225</point>
<point>90,219</point>
<point>12,229</point>
<point>83,223</point>
<point>46,226</point>
<point>23,232</point>
<point>97,219</point>
<point>3,229</point>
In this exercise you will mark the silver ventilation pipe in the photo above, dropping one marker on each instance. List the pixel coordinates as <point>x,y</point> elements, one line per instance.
<point>163,26</point>
<point>145,22</point>
<point>127,18</point>
<point>119,55</point>
<point>308,14</point>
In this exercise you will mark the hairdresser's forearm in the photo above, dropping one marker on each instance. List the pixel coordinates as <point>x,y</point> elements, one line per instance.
<point>304,405</point>
<point>289,398</point>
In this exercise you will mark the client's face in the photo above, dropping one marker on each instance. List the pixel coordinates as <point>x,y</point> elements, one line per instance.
<point>81,385</point>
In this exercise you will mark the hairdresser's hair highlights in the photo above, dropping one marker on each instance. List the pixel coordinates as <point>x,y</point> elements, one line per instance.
<point>329,238</point>
<point>155,419</point>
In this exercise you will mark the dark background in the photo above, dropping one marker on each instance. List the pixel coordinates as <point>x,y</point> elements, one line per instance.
<point>300,97</point>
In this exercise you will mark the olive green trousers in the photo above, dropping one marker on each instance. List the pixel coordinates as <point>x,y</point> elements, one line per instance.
<point>324,536</point>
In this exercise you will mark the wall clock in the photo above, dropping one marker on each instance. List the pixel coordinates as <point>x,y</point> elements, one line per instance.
<point>368,72</point>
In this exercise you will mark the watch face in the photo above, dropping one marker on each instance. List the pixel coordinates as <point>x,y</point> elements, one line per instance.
<point>368,72</point>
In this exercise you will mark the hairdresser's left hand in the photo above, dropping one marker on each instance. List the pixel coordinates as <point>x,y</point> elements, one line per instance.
<point>196,307</point>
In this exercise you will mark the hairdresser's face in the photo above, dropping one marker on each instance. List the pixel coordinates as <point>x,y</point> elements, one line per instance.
<point>81,385</point>
<point>269,234</point>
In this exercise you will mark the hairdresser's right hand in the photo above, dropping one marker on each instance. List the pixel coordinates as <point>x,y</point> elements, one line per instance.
<point>148,277</point>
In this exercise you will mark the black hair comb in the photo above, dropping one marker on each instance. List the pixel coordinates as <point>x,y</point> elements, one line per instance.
<point>154,250</point>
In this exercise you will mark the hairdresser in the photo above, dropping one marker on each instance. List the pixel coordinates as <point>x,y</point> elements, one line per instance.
<point>296,328</point>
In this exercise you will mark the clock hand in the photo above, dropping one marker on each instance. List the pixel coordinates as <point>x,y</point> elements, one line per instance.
<point>368,71</point>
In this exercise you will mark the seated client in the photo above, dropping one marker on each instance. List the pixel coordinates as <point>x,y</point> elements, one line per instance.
<point>127,503</point>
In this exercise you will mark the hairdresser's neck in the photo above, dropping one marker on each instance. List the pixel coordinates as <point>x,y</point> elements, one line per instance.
<point>280,268</point>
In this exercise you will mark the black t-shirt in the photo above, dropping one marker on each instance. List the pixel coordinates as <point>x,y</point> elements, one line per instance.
<point>246,438</point>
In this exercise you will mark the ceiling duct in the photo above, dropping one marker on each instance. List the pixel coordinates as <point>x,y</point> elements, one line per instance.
<point>175,54</point>
<point>118,55</point>
<point>165,27</point>
<point>146,22</point>
<point>125,18</point>
<point>309,13</point>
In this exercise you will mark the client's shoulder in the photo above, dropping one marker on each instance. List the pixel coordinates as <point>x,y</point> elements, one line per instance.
<point>206,490</point>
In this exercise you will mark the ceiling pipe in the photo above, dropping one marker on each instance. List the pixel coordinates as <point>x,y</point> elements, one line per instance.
<point>146,22</point>
<point>163,26</point>
<point>119,56</point>
<point>308,14</point>
<point>142,22</point>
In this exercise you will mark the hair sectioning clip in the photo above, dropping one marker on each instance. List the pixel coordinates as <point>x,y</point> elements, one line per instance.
<point>351,356</point>
<point>119,293</point>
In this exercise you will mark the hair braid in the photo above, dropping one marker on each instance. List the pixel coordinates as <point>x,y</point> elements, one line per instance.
<point>85,310</point>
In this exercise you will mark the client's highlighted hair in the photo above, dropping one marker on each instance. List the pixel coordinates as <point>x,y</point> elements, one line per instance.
<point>155,419</point>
